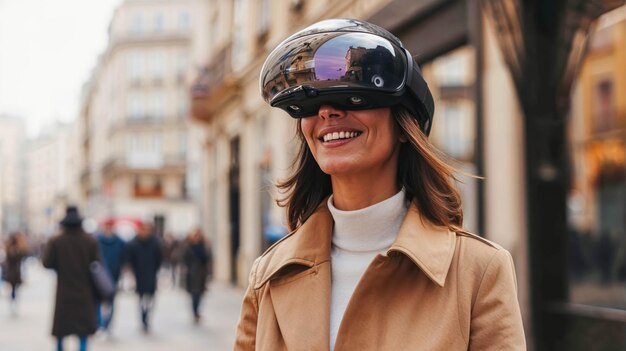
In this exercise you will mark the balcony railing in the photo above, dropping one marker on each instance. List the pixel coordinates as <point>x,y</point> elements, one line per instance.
<point>122,39</point>
<point>170,163</point>
<point>145,121</point>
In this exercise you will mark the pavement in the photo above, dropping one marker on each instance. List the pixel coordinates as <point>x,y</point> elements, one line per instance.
<point>172,328</point>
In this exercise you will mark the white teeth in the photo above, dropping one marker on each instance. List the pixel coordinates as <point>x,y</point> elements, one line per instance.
<point>339,135</point>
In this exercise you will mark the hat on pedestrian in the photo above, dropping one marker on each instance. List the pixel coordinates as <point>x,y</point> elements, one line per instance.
<point>72,218</point>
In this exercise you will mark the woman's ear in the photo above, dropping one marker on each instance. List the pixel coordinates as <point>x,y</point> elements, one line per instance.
<point>402,138</point>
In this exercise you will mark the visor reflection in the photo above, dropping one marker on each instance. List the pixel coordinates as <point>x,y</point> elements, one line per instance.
<point>357,60</point>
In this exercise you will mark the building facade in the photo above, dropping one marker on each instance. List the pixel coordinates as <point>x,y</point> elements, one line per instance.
<point>12,150</point>
<point>133,126</point>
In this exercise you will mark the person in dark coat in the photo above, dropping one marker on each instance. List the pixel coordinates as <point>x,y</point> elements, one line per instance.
<point>197,258</point>
<point>16,249</point>
<point>70,253</point>
<point>112,250</point>
<point>144,255</point>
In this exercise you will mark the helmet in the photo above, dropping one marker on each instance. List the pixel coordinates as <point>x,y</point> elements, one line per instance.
<point>348,64</point>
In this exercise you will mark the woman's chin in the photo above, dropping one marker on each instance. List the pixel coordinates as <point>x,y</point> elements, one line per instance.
<point>339,168</point>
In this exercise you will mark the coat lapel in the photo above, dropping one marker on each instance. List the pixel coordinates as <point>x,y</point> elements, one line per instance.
<point>308,293</point>
<point>300,281</point>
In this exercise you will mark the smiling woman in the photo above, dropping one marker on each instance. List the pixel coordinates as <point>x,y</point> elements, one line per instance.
<point>378,258</point>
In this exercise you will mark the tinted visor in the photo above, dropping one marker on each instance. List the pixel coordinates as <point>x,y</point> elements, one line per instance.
<point>348,70</point>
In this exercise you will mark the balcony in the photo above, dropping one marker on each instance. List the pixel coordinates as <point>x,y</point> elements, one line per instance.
<point>120,40</point>
<point>213,87</point>
<point>159,165</point>
<point>145,122</point>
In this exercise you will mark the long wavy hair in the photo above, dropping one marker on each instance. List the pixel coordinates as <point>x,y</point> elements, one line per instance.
<point>428,180</point>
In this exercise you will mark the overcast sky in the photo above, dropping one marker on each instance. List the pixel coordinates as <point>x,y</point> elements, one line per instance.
<point>47,51</point>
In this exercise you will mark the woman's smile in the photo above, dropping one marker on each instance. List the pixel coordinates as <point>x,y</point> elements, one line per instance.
<point>351,142</point>
<point>337,136</point>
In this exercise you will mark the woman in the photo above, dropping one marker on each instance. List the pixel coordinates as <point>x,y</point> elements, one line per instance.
<point>197,260</point>
<point>16,249</point>
<point>70,253</point>
<point>377,259</point>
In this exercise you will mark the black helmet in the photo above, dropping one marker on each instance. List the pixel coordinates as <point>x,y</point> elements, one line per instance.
<point>346,63</point>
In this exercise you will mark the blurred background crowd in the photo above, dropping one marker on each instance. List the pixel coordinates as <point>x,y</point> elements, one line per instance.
<point>170,130</point>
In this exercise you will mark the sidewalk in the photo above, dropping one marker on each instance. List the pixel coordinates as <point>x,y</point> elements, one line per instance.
<point>171,326</point>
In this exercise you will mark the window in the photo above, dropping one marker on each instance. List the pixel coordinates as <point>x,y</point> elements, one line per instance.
<point>135,108</point>
<point>135,66</point>
<point>452,69</point>
<point>456,130</point>
<point>604,116</point>
<point>157,105</point>
<point>157,66</point>
<point>182,63</point>
<point>136,24</point>
<point>184,22</point>
<point>144,151</point>
<point>158,23</point>
<point>183,106</point>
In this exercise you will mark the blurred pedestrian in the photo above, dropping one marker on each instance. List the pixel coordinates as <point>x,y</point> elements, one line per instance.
<point>378,258</point>
<point>144,255</point>
<point>112,250</point>
<point>16,249</point>
<point>70,253</point>
<point>198,261</point>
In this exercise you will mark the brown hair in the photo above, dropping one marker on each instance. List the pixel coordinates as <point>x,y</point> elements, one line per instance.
<point>427,179</point>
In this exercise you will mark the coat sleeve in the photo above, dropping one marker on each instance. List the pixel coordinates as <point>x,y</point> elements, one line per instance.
<point>158,254</point>
<point>496,322</point>
<point>96,253</point>
<point>49,259</point>
<point>246,328</point>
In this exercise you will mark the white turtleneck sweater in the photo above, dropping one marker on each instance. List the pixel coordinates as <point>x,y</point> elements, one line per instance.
<point>358,237</point>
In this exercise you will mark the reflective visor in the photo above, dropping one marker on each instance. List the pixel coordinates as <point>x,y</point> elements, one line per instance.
<point>327,67</point>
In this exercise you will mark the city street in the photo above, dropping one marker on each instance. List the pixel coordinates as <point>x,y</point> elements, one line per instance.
<point>171,328</point>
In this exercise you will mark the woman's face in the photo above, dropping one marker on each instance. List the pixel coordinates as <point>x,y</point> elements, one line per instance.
<point>345,143</point>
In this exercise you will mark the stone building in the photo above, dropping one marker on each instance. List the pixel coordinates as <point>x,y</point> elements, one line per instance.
<point>133,126</point>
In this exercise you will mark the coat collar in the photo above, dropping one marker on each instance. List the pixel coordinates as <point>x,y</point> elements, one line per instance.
<point>429,247</point>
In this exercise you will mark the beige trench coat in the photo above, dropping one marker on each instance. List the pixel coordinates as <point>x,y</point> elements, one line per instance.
<point>433,290</point>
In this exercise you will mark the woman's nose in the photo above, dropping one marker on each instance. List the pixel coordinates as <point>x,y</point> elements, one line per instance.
<point>327,111</point>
